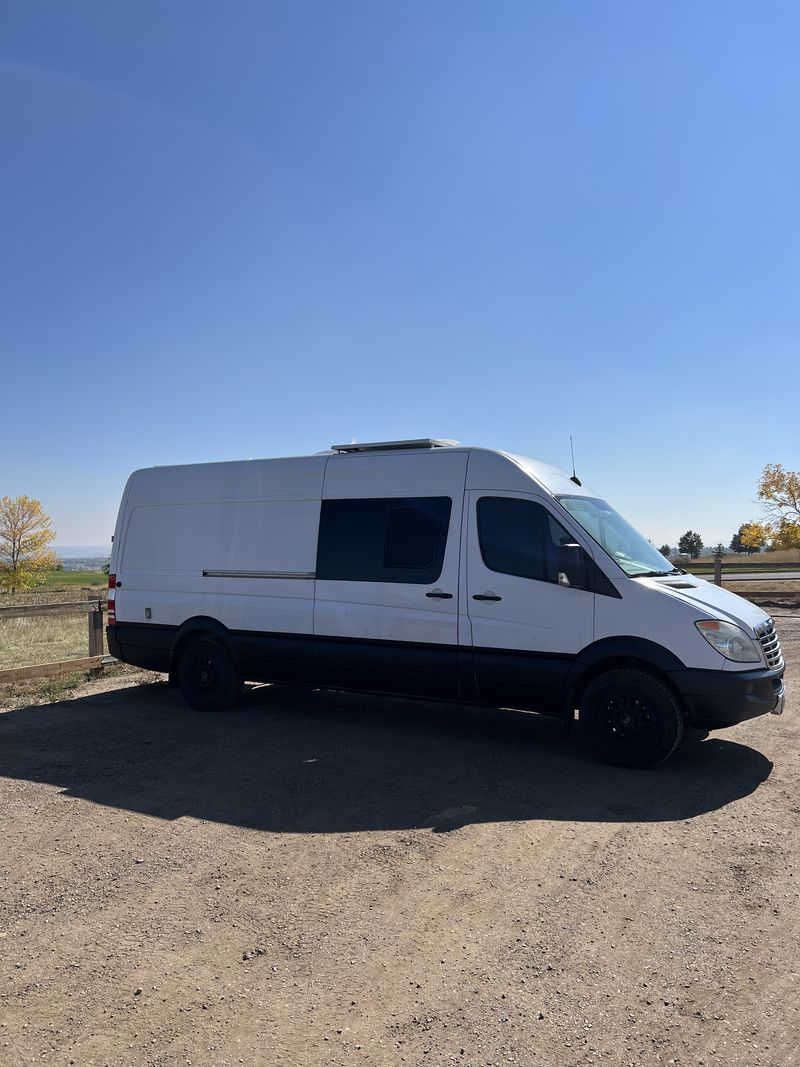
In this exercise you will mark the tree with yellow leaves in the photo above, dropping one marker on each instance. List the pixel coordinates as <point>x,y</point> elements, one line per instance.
<point>25,534</point>
<point>750,537</point>
<point>779,493</point>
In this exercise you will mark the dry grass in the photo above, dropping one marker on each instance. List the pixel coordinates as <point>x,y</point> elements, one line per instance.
<point>49,639</point>
<point>40,690</point>
<point>783,555</point>
<point>750,589</point>
<point>36,691</point>
<point>43,639</point>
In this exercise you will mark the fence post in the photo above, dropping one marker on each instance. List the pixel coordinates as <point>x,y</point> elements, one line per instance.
<point>96,633</point>
<point>718,566</point>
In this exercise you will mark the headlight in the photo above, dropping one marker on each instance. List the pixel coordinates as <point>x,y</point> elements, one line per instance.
<point>730,640</point>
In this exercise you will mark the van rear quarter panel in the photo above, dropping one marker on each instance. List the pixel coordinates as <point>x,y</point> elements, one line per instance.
<point>254,479</point>
<point>260,515</point>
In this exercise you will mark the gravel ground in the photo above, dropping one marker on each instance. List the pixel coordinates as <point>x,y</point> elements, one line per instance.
<point>328,879</point>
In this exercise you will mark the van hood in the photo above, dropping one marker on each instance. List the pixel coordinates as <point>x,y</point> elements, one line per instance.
<point>718,602</point>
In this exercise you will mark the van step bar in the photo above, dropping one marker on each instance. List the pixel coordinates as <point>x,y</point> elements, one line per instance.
<point>388,446</point>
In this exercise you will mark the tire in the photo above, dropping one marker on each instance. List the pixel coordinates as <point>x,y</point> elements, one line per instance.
<point>207,675</point>
<point>631,718</point>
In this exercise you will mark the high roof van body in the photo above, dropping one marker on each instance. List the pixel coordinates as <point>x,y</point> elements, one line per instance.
<point>433,570</point>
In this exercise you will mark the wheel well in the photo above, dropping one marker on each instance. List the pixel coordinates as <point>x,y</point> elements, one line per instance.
<point>626,662</point>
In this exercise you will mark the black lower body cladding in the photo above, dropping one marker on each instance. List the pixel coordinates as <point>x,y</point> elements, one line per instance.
<point>141,646</point>
<point>712,699</point>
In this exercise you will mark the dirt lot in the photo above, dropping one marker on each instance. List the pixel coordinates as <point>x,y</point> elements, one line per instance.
<point>321,879</point>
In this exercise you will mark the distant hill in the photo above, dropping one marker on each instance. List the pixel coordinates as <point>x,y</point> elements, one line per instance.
<point>84,563</point>
<point>83,557</point>
<point>82,551</point>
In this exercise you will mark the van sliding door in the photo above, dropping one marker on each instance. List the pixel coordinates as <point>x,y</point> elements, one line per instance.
<point>386,600</point>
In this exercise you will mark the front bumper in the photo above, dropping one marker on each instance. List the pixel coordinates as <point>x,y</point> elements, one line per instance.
<point>716,699</point>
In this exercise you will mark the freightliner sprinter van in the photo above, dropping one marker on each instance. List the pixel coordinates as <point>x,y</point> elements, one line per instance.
<point>433,570</point>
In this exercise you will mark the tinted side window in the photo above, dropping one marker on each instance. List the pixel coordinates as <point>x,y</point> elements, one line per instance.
<point>522,538</point>
<point>383,540</point>
<point>412,537</point>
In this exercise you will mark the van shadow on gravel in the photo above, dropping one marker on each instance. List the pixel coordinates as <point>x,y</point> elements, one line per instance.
<point>292,760</point>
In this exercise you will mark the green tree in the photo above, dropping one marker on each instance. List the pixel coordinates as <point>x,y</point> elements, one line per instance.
<point>750,538</point>
<point>665,550</point>
<point>25,536</point>
<point>691,544</point>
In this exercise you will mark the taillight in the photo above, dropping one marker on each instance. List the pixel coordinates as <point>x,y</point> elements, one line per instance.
<point>112,592</point>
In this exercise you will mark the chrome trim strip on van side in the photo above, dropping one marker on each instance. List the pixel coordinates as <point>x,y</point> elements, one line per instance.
<point>259,574</point>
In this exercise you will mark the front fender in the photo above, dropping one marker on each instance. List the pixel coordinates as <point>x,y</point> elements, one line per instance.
<point>622,651</point>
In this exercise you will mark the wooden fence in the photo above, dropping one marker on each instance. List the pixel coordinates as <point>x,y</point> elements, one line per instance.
<point>714,568</point>
<point>94,609</point>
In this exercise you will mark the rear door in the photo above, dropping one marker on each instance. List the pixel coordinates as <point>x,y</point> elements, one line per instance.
<point>529,609</point>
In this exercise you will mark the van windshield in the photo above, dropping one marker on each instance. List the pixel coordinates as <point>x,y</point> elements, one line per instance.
<point>626,546</point>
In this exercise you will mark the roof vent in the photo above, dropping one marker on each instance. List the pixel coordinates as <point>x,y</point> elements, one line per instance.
<point>390,446</point>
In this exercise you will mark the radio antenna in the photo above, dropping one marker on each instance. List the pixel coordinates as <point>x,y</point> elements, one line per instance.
<point>574,477</point>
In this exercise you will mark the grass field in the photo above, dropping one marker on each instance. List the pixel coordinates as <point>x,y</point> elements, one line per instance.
<point>43,639</point>
<point>56,579</point>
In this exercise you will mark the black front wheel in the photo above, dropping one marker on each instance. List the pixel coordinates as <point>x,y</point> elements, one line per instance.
<point>631,718</point>
<point>207,675</point>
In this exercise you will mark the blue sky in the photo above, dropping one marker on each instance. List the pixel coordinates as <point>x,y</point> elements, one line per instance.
<point>254,229</point>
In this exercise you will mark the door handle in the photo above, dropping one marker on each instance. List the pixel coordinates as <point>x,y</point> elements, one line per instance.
<point>486,596</point>
<point>437,594</point>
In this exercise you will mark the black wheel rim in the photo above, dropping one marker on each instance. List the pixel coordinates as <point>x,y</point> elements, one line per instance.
<point>204,674</point>
<point>628,722</point>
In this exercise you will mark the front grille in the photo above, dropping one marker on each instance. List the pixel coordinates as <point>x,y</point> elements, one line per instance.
<point>769,642</point>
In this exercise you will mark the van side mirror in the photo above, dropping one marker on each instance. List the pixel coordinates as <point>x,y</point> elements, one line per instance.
<point>574,567</point>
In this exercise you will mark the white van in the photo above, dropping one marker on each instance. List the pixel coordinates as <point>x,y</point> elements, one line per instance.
<point>434,570</point>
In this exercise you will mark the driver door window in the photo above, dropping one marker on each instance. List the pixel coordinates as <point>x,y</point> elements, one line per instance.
<point>522,538</point>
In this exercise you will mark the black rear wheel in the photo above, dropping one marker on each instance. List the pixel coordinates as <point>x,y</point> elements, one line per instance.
<point>631,718</point>
<point>207,675</point>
